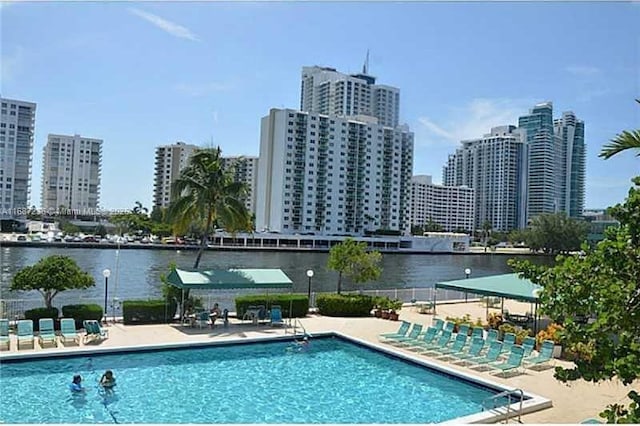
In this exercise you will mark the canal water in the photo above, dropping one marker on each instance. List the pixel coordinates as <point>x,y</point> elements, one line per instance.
<point>135,274</point>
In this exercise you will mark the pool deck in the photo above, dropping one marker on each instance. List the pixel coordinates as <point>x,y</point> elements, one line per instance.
<point>571,403</point>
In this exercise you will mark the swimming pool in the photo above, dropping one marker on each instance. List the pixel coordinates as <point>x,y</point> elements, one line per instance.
<point>334,381</point>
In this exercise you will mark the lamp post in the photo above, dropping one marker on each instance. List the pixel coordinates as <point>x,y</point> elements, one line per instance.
<point>467,272</point>
<point>309,275</point>
<point>106,273</point>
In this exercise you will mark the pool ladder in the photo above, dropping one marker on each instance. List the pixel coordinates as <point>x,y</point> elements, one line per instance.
<point>508,394</point>
<point>295,323</point>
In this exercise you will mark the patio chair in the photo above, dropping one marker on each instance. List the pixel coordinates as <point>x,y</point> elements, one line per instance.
<point>202,319</point>
<point>591,421</point>
<point>442,342</point>
<point>508,342</point>
<point>93,330</point>
<point>427,339</point>
<point>402,331</point>
<point>413,335</point>
<point>528,344</point>
<point>68,331</point>
<point>47,333</point>
<point>477,344</point>
<point>449,326</point>
<point>4,334</point>
<point>477,332</point>
<point>492,355</point>
<point>456,347</point>
<point>463,329</point>
<point>512,363</point>
<point>25,333</point>
<point>437,324</point>
<point>276,316</point>
<point>544,356</point>
<point>492,336</point>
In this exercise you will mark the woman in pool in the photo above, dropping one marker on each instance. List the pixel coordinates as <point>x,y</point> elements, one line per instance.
<point>76,384</point>
<point>108,381</point>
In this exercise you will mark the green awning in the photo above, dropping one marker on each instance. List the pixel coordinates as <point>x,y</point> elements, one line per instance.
<point>509,286</point>
<point>229,279</point>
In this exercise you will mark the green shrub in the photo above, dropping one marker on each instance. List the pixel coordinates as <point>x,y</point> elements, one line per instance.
<point>298,303</point>
<point>339,305</point>
<point>156,311</point>
<point>89,311</point>
<point>37,313</point>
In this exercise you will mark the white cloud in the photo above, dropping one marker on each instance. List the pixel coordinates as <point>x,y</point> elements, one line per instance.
<point>582,71</point>
<point>202,89</point>
<point>471,121</point>
<point>172,28</point>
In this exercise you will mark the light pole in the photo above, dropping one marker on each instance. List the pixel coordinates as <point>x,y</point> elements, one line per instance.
<point>309,275</point>
<point>106,273</point>
<point>467,272</point>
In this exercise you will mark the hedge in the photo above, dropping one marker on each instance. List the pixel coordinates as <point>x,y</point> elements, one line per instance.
<point>338,305</point>
<point>37,313</point>
<point>298,303</point>
<point>148,311</point>
<point>81,312</point>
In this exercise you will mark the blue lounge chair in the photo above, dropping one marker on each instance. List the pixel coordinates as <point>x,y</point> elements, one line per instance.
<point>276,316</point>
<point>449,326</point>
<point>508,342</point>
<point>528,344</point>
<point>413,335</point>
<point>25,333</point>
<point>512,363</point>
<point>437,324</point>
<point>46,333</point>
<point>477,344</point>
<point>477,332</point>
<point>4,334</point>
<point>426,340</point>
<point>545,355</point>
<point>456,347</point>
<point>492,336</point>
<point>68,331</point>
<point>442,342</point>
<point>463,329</point>
<point>93,330</point>
<point>402,331</point>
<point>492,355</point>
<point>591,421</point>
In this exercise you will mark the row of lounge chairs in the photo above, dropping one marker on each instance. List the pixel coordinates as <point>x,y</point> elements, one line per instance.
<point>476,350</point>
<point>47,335</point>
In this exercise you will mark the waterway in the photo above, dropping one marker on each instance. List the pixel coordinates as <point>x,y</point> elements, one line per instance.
<point>135,274</point>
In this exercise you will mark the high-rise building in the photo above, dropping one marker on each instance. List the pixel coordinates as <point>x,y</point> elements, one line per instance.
<point>492,166</point>
<point>71,173</point>
<point>245,170</point>
<point>17,127</point>
<point>571,132</point>
<point>328,175</point>
<point>169,161</point>
<point>326,91</point>
<point>452,208</point>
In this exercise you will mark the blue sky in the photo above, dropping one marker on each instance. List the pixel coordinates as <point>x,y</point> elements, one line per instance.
<point>144,74</point>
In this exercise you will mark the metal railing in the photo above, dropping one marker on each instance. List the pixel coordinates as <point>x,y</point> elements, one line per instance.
<point>508,394</point>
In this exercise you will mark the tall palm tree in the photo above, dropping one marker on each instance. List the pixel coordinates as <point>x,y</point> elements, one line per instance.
<point>206,196</point>
<point>628,139</point>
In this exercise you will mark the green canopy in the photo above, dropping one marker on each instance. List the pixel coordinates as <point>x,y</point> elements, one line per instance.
<point>509,286</point>
<point>229,279</point>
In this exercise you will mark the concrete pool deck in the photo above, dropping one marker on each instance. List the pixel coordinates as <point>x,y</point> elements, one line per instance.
<point>571,403</point>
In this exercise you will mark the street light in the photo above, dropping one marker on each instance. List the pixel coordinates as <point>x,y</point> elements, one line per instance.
<point>467,272</point>
<point>310,275</point>
<point>106,273</point>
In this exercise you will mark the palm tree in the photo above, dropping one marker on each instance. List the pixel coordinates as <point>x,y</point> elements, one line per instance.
<point>628,139</point>
<point>206,196</point>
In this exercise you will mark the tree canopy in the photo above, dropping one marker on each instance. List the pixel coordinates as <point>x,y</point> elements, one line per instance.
<point>351,259</point>
<point>628,139</point>
<point>596,295</point>
<point>50,276</point>
<point>555,233</point>
<point>207,197</point>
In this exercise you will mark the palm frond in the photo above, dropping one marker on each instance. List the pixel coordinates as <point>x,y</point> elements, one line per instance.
<point>628,139</point>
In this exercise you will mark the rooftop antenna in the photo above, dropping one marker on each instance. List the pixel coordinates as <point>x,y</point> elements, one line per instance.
<point>365,67</point>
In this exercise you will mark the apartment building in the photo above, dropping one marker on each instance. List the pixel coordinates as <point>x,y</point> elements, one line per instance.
<point>245,170</point>
<point>71,173</point>
<point>327,91</point>
<point>169,161</point>
<point>17,129</point>
<point>331,175</point>
<point>493,167</point>
<point>573,157</point>
<point>450,207</point>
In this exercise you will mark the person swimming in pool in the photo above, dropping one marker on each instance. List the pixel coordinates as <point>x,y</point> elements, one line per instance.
<point>108,381</point>
<point>76,384</point>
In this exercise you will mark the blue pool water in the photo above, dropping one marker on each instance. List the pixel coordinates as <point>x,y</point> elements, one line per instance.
<point>334,381</point>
